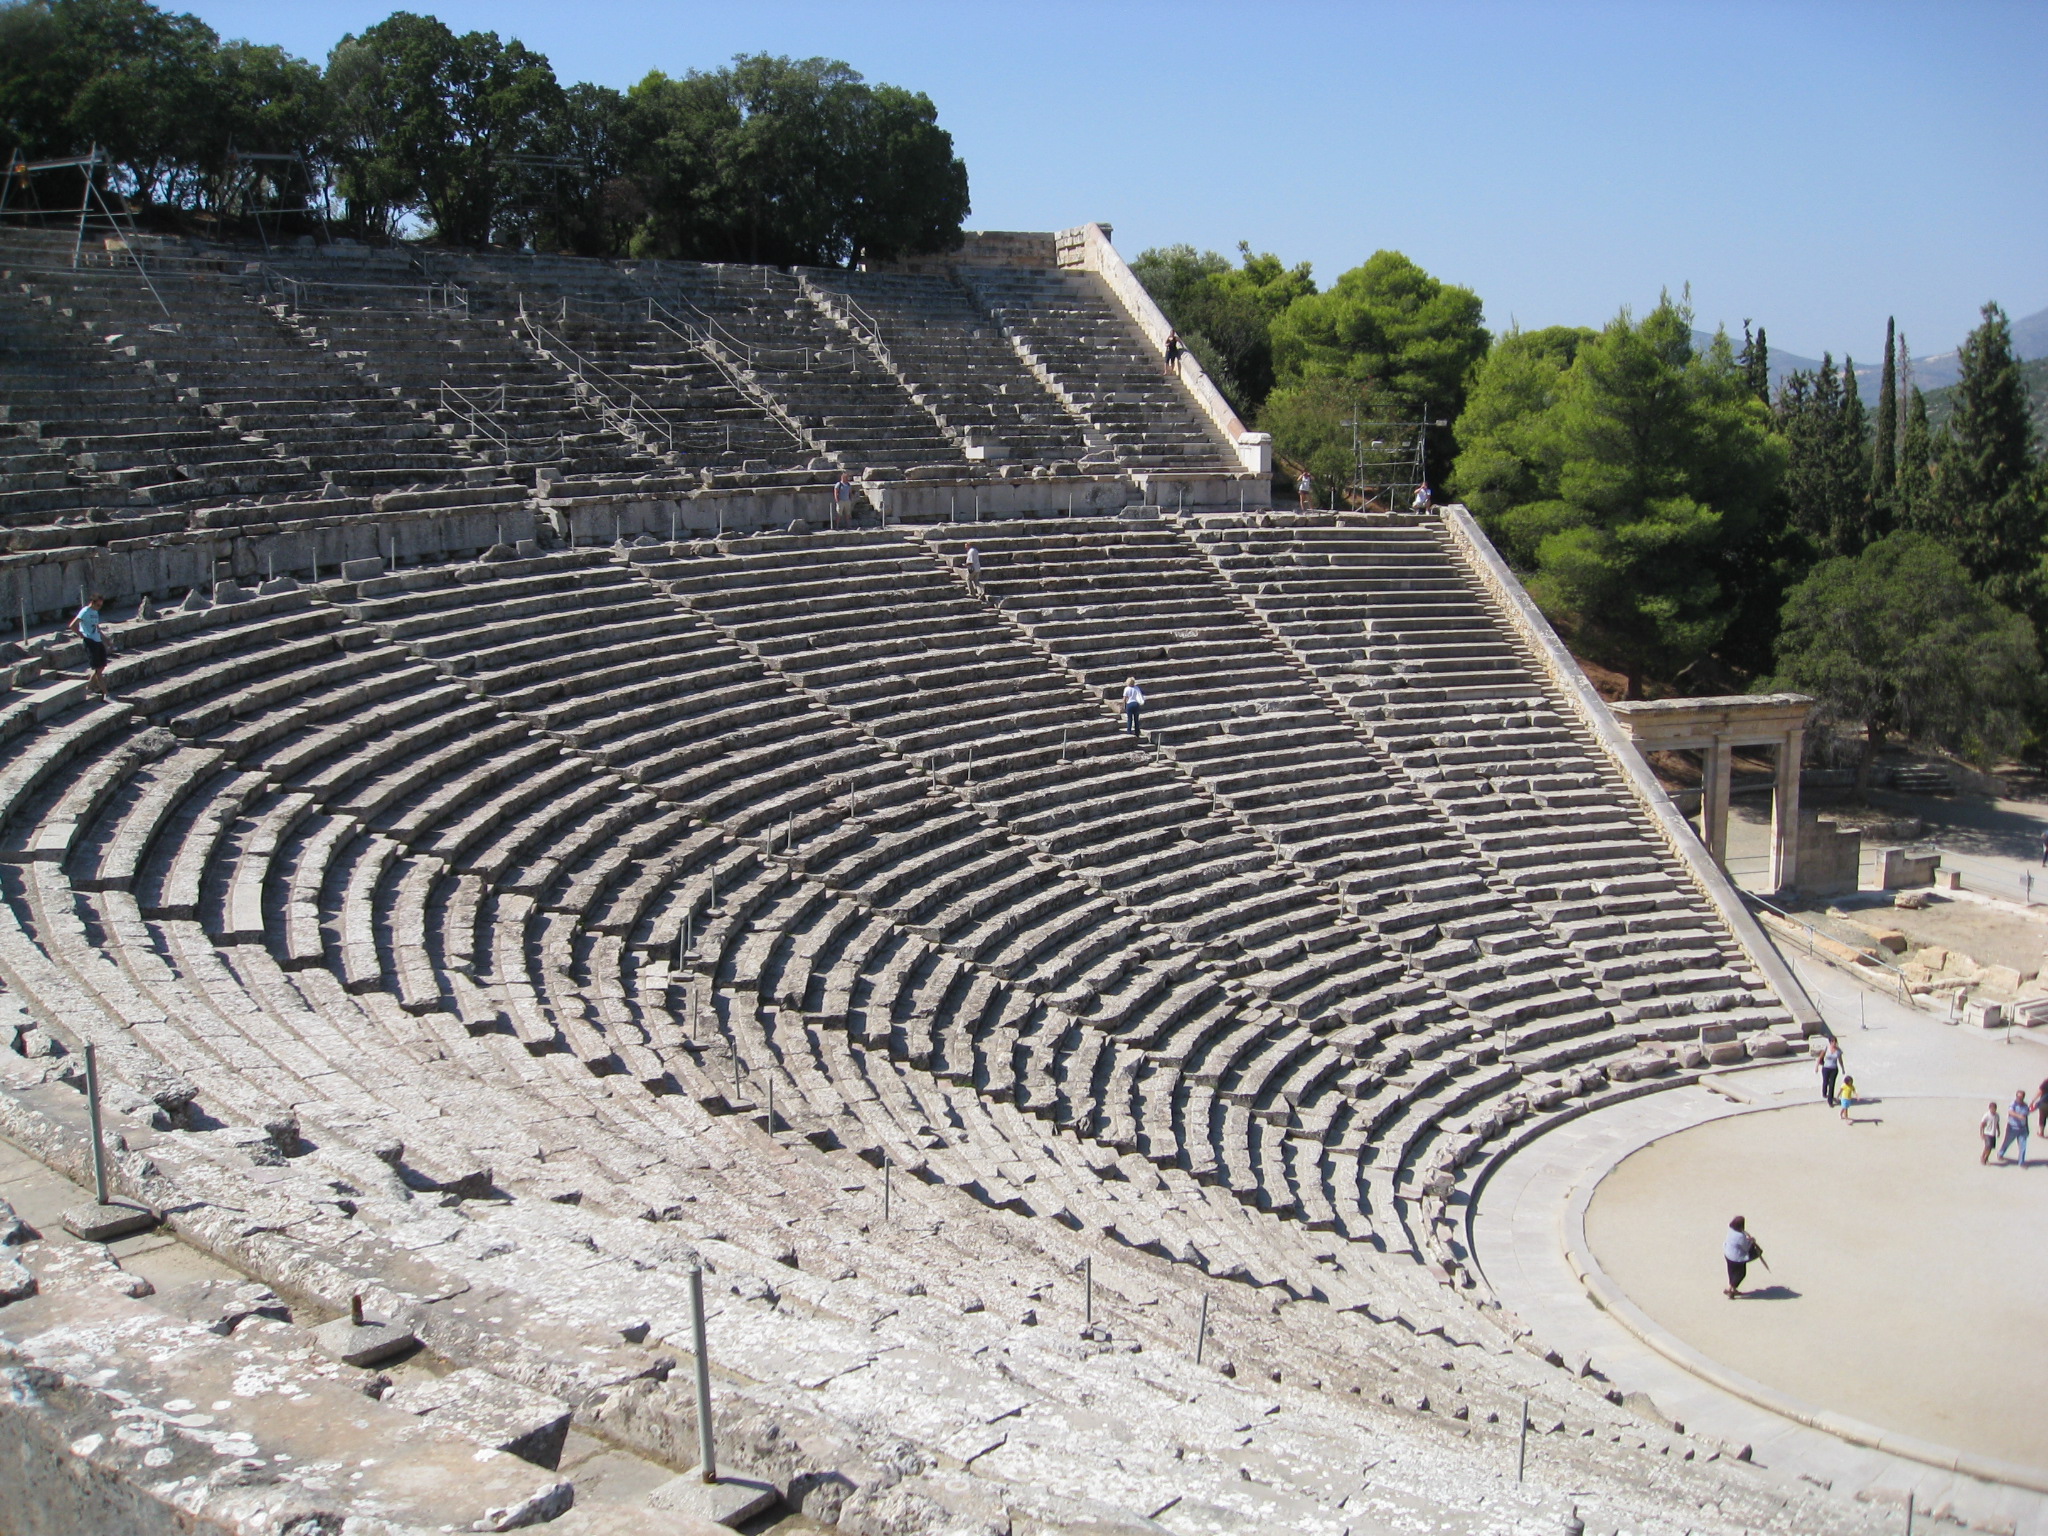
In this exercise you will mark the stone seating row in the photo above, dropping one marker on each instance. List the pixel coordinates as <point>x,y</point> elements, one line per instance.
<point>954,360</point>
<point>1482,737</point>
<point>1069,327</point>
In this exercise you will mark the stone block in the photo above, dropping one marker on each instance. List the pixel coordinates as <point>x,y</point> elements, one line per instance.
<point>362,1344</point>
<point>105,1223</point>
<point>16,1283</point>
<point>1725,1053</point>
<point>730,1501</point>
<point>1984,1013</point>
<point>362,570</point>
<point>498,1414</point>
<point>548,1502</point>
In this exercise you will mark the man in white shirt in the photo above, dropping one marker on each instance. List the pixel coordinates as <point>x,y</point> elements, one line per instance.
<point>1739,1249</point>
<point>1134,704</point>
<point>974,570</point>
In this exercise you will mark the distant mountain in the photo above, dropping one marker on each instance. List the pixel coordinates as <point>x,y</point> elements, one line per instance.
<point>1937,370</point>
<point>2035,371</point>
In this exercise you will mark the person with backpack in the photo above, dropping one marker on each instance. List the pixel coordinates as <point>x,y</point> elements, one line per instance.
<point>1740,1250</point>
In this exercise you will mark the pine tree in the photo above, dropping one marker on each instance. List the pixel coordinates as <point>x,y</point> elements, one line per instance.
<point>1987,480</point>
<point>1884,463</point>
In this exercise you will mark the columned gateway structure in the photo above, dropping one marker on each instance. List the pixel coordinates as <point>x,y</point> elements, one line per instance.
<point>1714,728</point>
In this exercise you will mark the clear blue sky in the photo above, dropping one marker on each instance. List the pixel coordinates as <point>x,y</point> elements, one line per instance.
<point>1815,166</point>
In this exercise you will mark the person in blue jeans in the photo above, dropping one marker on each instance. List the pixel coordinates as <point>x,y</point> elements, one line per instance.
<point>2016,1116</point>
<point>1134,705</point>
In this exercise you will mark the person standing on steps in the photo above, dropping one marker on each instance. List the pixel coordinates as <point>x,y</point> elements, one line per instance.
<point>1305,488</point>
<point>1134,704</point>
<point>974,571</point>
<point>2015,1130</point>
<point>86,625</point>
<point>1830,1069</point>
<point>1173,350</point>
<point>1740,1250</point>
<point>842,501</point>
<point>1988,1129</point>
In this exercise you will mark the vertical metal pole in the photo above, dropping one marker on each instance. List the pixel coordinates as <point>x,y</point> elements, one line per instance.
<point>1522,1445</point>
<point>1088,1294</point>
<point>92,1104</point>
<point>707,1454</point>
<point>1202,1329</point>
<point>735,1061</point>
<point>885,1192</point>
<point>771,1102</point>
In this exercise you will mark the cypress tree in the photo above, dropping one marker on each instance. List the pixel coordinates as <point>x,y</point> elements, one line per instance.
<point>1987,473</point>
<point>1851,463</point>
<point>1884,464</point>
<point>1756,363</point>
<point>1915,489</point>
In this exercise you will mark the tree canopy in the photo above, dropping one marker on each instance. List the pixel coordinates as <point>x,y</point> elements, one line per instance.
<point>1622,470</point>
<point>1988,501</point>
<point>1223,313</point>
<point>1898,641</point>
<point>473,138</point>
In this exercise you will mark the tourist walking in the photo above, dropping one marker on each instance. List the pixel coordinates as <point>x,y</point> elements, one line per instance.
<point>1173,350</point>
<point>2044,849</point>
<point>1740,1250</point>
<point>1134,704</point>
<point>842,501</point>
<point>86,625</point>
<point>974,570</point>
<point>1305,489</point>
<point>1988,1129</point>
<point>2041,1108</point>
<point>1830,1068</point>
<point>2016,1117</point>
<point>1845,1095</point>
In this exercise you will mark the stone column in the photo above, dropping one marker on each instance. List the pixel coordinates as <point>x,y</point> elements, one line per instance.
<point>1785,811</point>
<point>1719,765</point>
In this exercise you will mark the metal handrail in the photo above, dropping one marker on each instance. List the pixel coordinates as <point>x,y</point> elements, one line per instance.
<point>1881,960</point>
<point>633,418</point>
<point>661,316</point>
<point>437,298</point>
<point>477,415</point>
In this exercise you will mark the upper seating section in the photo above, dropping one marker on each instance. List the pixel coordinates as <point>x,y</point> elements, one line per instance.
<point>1072,331</point>
<point>956,362</point>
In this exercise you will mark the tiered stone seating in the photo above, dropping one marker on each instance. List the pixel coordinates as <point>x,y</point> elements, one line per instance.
<point>857,412</point>
<point>1382,611</point>
<point>1069,327</point>
<point>601,310</point>
<point>257,376</point>
<point>117,420</point>
<point>515,409</point>
<point>956,362</point>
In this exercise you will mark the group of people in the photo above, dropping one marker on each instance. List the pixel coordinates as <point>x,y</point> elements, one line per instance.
<point>2013,1123</point>
<point>1305,491</point>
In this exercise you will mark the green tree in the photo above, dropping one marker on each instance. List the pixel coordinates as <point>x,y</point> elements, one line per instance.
<point>1884,458</point>
<point>1311,423</point>
<point>1412,338</point>
<point>1989,482</point>
<point>790,162</point>
<point>1827,475</point>
<point>1755,361</point>
<point>1913,493</point>
<point>1897,641</point>
<point>433,122</point>
<point>1623,483</point>
<point>1224,314</point>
